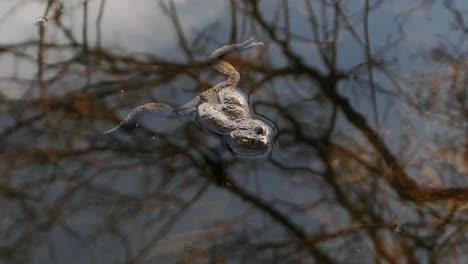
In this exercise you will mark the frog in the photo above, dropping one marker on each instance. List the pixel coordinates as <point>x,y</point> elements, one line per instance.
<point>222,110</point>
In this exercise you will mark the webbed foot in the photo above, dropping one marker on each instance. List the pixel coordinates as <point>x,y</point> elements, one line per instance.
<point>248,44</point>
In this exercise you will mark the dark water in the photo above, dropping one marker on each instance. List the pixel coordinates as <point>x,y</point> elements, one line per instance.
<point>370,163</point>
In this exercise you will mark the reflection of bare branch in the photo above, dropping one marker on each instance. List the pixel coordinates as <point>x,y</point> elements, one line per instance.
<point>143,253</point>
<point>398,178</point>
<point>99,24</point>
<point>84,32</point>
<point>40,65</point>
<point>369,65</point>
<point>172,14</point>
<point>332,188</point>
<point>293,228</point>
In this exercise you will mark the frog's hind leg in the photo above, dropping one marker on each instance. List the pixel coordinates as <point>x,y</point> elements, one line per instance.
<point>211,95</point>
<point>226,68</point>
<point>132,118</point>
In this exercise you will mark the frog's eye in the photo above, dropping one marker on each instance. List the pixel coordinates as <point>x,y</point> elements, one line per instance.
<point>259,130</point>
<point>246,141</point>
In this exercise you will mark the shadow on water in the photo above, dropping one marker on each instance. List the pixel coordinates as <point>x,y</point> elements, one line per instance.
<point>368,98</point>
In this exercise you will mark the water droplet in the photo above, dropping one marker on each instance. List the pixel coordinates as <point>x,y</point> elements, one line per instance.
<point>121,91</point>
<point>398,229</point>
<point>154,137</point>
<point>39,21</point>
<point>136,125</point>
<point>188,245</point>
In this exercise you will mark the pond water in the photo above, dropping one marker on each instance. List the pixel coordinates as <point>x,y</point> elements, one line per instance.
<point>368,99</point>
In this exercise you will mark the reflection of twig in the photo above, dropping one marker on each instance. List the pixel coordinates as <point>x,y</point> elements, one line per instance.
<point>369,65</point>
<point>43,91</point>
<point>85,42</point>
<point>296,230</point>
<point>293,228</point>
<point>172,13</point>
<point>398,179</point>
<point>89,174</point>
<point>99,24</point>
<point>232,38</point>
<point>166,227</point>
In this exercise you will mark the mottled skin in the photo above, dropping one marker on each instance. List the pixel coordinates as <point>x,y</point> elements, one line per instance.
<point>222,110</point>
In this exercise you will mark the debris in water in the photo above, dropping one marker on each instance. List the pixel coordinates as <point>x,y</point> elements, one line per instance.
<point>398,229</point>
<point>39,21</point>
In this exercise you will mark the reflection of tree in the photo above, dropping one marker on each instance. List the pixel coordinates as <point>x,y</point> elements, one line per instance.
<point>346,192</point>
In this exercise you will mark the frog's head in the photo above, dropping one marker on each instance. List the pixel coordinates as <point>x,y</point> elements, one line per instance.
<point>253,137</point>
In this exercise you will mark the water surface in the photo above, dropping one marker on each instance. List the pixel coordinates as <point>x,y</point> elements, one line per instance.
<point>370,162</point>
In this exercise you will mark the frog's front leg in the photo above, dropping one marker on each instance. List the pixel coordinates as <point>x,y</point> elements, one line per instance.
<point>212,118</point>
<point>235,104</point>
<point>232,96</point>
